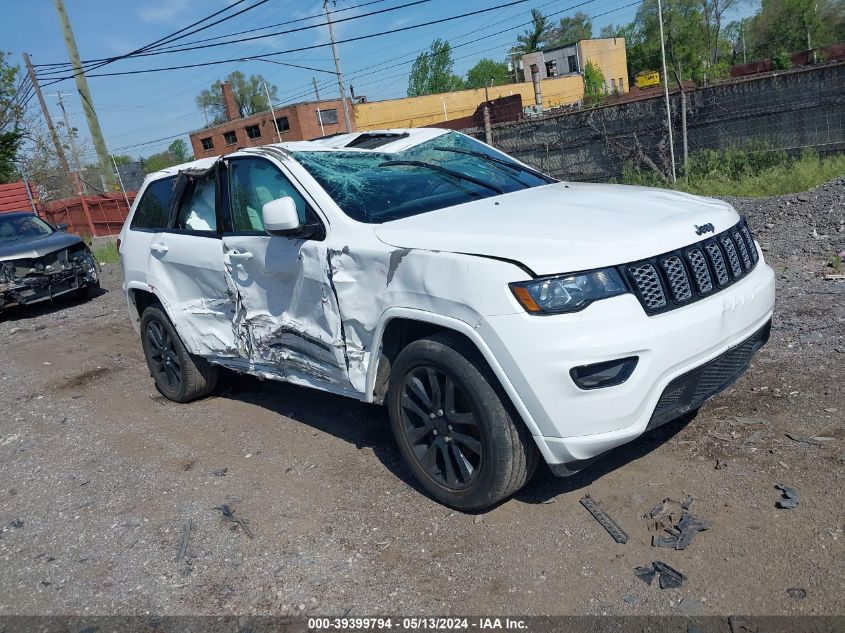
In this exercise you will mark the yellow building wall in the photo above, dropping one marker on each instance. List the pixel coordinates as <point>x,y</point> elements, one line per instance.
<point>430,109</point>
<point>609,55</point>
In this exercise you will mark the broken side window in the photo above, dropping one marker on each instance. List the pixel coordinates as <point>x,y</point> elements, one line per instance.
<point>197,209</point>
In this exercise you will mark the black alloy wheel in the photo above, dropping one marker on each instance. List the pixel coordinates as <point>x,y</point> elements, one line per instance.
<point>164,360</point>
<point>441,428</point>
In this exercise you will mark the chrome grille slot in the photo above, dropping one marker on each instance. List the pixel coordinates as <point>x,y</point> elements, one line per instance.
<point>718,262</point>
<point>678,281</point>
<point>699,270</point>
<point>733,256</point>
<point>649,286</point>
<point>743,250</point>
<point>752,248</point>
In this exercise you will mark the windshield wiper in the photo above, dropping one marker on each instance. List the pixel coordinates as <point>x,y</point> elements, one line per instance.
<point>448,172</point>
<point>498,161</point>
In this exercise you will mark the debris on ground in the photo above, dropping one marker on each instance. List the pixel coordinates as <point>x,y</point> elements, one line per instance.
<point>618,534</point>
<point>720,464</point>
<point>229,515</point>
<point>790,497</point>
<point>803,439</point>
<point>220,472</point>
<point>680,533</point>
<point>670,578</point>
<point>797,593</point>
<point>186,535</point>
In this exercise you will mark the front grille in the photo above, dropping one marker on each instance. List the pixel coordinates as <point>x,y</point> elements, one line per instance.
<point>673,279</point>
<point>694,388</point>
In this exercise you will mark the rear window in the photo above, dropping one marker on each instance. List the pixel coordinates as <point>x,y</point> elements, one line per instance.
<point>153,210</point>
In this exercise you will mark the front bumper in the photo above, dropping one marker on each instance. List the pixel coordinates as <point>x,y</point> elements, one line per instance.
<point>68,274</point>
<point>573,426</point>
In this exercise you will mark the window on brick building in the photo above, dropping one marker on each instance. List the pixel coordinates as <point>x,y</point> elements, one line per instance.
<point>230,137</point>
<point>207,143</point>
<point>328,117</point>
<point>283,123</point>
<point>253,131</point>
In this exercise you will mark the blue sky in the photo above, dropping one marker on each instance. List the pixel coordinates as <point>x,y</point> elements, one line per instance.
<point>137,109</point>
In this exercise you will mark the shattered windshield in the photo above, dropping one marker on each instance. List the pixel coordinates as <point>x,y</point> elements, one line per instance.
<point>451,169</point>
<point>19,227</point>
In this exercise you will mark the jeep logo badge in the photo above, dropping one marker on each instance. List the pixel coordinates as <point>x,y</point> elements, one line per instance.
<point>704,228</point>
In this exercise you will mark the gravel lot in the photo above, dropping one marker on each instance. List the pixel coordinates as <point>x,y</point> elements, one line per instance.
<point>98,475</point>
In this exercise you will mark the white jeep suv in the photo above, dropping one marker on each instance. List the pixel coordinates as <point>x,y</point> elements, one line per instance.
<point>500,315</point>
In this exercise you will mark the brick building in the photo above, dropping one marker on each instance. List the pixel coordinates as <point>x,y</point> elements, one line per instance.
<point>297,122</point>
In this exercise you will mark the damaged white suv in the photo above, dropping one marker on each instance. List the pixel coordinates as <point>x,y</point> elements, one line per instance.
<point>500,315</point>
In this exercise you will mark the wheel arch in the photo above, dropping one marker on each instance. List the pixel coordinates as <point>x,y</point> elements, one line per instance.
<point>400,326</point>
<point>140,297</point>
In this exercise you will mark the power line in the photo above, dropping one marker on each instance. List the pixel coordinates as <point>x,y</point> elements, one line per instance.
<point>152,47</point>
<point>176,35</point>
<point>305,48</point>
<point>271,26</point>
<point>51,74</point>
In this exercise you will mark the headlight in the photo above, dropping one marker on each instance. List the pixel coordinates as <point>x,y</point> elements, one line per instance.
<point>568,293</point>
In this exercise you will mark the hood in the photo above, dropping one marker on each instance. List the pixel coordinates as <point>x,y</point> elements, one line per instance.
<point>565,227</point>
<point>36,246</point>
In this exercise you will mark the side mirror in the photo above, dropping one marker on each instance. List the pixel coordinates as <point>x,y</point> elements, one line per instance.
<point>281,217</point>
<point>61,227</point>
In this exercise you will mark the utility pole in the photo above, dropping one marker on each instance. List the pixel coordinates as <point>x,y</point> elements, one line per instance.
<point>336,66</point>
<point>74,151</point>
<point>272,112</point>
<point>666,89</point>
<point>316,92</point>
<point>742,34</point>
<point>60,152</point>
<point>84,92</point>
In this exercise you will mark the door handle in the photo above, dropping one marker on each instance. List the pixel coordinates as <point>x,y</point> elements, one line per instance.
<point>158,247</point>
<point>240,255</point>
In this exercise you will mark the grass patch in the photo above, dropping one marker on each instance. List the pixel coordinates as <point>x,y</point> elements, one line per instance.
<point>747,172</point>
<point>107,253</point>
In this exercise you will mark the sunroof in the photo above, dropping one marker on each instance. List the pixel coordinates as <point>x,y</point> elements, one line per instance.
<point>371,141</point>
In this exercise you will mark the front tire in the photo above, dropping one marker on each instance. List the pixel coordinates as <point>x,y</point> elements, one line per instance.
<point>179,375</point>
<point>454,426</point>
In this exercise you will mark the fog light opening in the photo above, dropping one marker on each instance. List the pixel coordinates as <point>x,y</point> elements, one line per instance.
<point>606,374</point>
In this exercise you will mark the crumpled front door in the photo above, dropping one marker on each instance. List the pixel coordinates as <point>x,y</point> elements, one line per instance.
<point>287,322</point>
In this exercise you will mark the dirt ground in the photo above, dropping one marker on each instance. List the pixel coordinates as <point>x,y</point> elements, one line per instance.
<point>98,475</point>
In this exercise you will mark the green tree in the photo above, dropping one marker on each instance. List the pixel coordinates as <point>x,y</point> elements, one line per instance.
<point>573,29</point>
<point>686,48</point>
<point>178,150</point>
<point>432,71</point>
<point>11,117</point>
<point>249,95</point>
<point>486,70</point>
<point>536,36</point>
<point>122,159</point>
<point>593,80</point>
<point>794,25</point>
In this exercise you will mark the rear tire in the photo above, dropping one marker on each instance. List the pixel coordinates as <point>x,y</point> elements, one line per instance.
<point>179,375</point>
<point>454,425</point>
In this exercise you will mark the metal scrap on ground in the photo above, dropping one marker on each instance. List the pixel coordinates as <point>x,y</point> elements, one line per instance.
<point>670,578</point>
<point>618,534</point>
<point>680,534</point>
<point>229,515</point>
<point>186,535</point>
<point>790,497</point>
<point>803,439</point>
